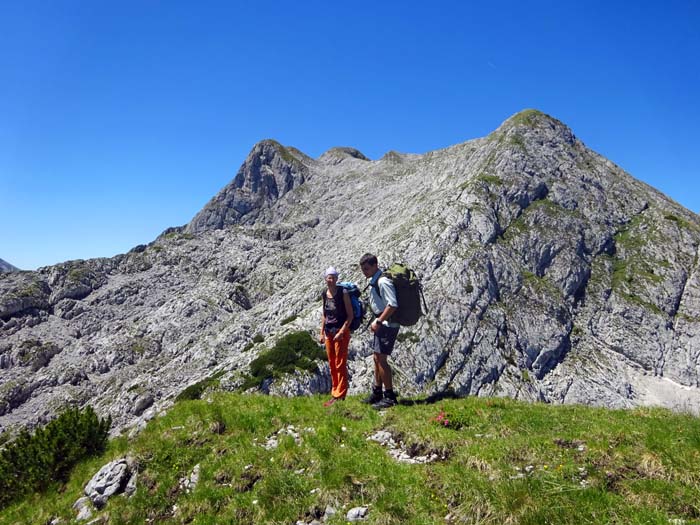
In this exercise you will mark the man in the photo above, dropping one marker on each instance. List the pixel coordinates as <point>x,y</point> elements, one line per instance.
<point>382,301</point>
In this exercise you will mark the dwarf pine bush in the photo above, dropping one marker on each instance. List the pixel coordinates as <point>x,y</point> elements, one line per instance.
<point>32,462</point>
<point>295,351</point>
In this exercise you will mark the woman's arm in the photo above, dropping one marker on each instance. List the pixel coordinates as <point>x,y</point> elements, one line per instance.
<point>322,336</point>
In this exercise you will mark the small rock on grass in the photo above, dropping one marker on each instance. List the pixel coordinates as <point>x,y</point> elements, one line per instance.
<point>357,514</point>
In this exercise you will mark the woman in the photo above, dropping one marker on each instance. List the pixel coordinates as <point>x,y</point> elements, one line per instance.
<point>335,333</point>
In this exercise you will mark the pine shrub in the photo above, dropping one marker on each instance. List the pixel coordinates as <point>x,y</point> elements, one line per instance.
<point>32,462</point>
<point>295,351</point>
<point>196,390</point>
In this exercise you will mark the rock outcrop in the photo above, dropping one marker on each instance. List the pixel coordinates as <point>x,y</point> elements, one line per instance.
<point>550,274</point>
<point>269,172</point>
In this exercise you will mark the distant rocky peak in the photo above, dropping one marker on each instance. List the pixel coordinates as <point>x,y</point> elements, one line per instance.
<point>269,172</point>
<point>268,151</point>
<point>393,157</point>
<point>338,154</point>
<point>7,267</point>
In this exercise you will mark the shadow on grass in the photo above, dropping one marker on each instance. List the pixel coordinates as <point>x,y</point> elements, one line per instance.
<point>431,399</point>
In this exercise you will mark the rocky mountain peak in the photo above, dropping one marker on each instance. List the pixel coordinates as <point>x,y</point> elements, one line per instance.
<point>534,123</point>
<point>268,173</point>
<point>393,157</point>
<point>338,154</point>
<point>7,267</point>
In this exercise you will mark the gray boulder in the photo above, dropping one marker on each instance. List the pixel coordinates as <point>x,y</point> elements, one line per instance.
<point>111,479</point>
<point>84,508</point>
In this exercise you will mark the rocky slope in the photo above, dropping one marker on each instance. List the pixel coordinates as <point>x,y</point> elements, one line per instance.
<point>550,274</point>
<point>7,267</point>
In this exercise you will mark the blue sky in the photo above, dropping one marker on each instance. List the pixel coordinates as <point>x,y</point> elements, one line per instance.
<point>120,119</point>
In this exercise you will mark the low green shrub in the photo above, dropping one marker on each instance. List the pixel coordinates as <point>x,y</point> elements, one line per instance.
<point>32,462</point>
<point>408,336</point>
<point>196,390</point>
<point>288,320</point>
<point>295,351</point>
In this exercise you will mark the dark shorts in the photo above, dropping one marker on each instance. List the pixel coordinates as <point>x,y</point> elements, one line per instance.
<point>384,340</point>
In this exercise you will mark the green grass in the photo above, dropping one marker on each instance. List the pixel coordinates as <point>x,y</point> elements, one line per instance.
<point>682,223</point>
<point>529,118</point>
<point>489,179</point>
<point>505,462</point>
<point>517,141</point>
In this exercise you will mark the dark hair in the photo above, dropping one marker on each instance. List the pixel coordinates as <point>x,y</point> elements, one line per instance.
<point>368,258</point>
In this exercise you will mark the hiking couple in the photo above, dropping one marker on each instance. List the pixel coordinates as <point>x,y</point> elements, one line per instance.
<point>335,332</point>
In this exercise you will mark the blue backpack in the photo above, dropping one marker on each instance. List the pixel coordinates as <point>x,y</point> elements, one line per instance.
<point>358,305</point>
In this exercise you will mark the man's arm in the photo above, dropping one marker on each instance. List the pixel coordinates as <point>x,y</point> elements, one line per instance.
<point>388,293</point>
<point>386,313</point>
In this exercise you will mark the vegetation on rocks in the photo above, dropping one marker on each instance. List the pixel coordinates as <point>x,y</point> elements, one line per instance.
<point>36,354</point>
<point>528,117</point>
<point>274,460</point>
<point>196,390</point>
<point>295,351</point>
<point>288,320</point>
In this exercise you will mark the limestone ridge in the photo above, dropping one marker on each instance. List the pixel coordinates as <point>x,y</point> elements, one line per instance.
<point>550,273</point>
<point>268,173</point>
<point>7,267</point>
<point>338,154</point>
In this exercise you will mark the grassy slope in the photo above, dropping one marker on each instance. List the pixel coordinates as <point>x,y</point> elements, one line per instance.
<point>509,462</point>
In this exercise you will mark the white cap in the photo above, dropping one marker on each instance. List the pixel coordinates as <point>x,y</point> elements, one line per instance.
<point>331,271</point>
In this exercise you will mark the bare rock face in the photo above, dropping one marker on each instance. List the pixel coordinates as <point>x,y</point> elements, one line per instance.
<point>550,274</point>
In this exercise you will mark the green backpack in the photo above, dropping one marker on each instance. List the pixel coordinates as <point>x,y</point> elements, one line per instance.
<point>409,292</point>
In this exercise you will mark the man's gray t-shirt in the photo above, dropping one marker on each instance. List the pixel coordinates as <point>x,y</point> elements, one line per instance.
<point>379,298</point>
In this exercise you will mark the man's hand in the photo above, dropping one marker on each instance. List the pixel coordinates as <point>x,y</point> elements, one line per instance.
<point>374,326</point>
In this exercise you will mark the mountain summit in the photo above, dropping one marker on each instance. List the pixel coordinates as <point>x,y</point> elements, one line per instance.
<point>269,172</point>
<point>550,274</point>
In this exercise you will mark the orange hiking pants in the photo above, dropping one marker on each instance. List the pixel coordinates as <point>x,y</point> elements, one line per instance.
<point>338,360</point>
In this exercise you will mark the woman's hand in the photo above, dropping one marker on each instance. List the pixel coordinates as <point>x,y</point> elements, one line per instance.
<point>339,334</point>
<point>322,338</point>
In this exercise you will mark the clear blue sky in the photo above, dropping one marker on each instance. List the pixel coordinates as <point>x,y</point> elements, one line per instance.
<point>119,119</point>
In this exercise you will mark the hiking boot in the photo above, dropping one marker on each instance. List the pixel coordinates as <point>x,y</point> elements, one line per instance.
<point>387,402</point>
<point>375,397</point>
